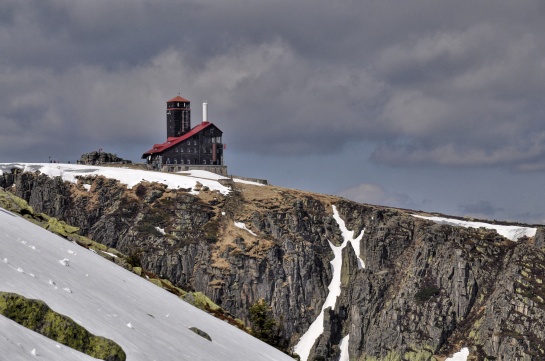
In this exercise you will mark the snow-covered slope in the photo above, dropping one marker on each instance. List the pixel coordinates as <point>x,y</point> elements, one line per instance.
<point>130,177</point>
<point>510,232</point>
<point>146,321</point>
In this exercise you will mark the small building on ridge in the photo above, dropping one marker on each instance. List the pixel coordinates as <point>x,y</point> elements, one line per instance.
<point>186,148</point>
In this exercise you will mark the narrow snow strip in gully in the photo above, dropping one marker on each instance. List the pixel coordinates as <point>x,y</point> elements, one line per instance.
<point>349,236</point>
<point>306,342</point>
<point>510,232</point>
<point>344,349</point>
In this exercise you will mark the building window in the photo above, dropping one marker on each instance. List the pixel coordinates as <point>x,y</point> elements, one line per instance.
<point>195,150</point>
<point>189,161</point>
<point>182,161</point>
<point>204,161</point>
<point>194,142</point>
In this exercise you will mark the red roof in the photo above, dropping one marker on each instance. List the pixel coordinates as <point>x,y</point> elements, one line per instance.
<point>172,141</point>
<point>178,99</point>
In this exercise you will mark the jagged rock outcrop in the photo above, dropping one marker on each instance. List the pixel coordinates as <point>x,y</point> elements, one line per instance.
<point>426,289</point>
<point>99,157</point>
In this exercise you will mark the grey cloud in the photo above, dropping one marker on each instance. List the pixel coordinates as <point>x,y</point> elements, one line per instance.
<point>482,209</point>
<point>427,82</point>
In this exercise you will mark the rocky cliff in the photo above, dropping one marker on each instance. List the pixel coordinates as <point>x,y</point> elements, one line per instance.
<point>426,289</point>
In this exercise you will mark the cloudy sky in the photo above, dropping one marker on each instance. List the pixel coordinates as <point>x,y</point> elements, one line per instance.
<point>425,104</point>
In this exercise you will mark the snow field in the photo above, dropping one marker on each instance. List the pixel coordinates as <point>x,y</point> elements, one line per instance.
<point>130,177</point>
<point>19,343</point>
<point>146,321</point>
<point>510,232</point>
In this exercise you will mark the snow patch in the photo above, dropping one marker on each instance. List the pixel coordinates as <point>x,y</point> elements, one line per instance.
<point>238,180</point>
<point>202,174</point>
<point>130,177</point>
<point>109,254</point>
<point>459,356</point>
<point>160,230</point>
<point>120,295</point>
<point>18,343</point>
<point>213,176</point>
<point>344,349</point>
<point>65,262</point>
<point>243,226</point>
<point>510,232</point>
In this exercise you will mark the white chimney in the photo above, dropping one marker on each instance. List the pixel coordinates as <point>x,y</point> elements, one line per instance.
<point>204,112</point>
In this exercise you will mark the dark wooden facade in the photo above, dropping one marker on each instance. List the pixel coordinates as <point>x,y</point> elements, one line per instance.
<point>204,147</point>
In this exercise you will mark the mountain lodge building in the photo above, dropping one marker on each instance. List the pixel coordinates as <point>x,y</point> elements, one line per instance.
<point>187,148</point>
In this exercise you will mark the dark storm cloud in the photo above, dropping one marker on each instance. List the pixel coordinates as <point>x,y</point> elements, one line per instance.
<point>427,82</point>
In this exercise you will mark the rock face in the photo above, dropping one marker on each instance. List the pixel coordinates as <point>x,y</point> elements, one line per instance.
<point>426,290</point>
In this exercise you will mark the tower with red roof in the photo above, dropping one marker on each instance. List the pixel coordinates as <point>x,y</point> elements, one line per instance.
<point>178,117</point>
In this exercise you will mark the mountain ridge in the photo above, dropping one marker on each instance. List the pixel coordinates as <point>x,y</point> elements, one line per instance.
<point>413,267</point>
